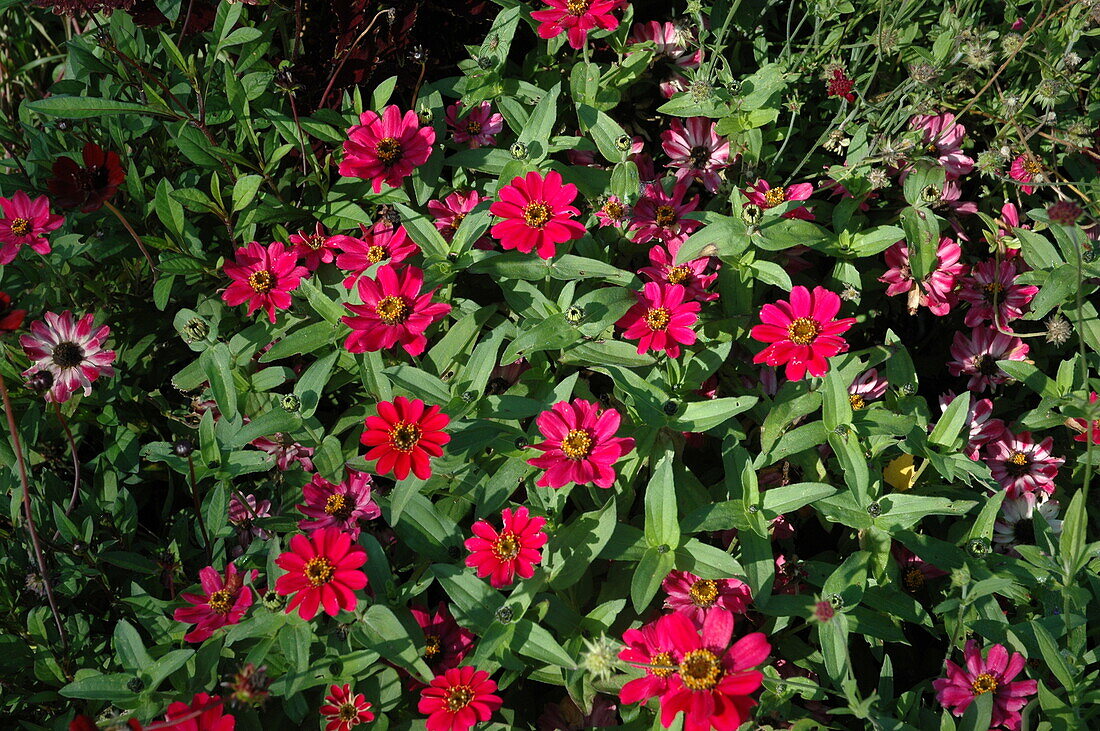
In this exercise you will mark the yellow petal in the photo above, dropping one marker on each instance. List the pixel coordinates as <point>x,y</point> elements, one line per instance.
<point>899,473</point>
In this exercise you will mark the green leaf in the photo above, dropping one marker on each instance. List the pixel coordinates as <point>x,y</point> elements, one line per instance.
<point>648,575</point>
<point>535,642</point>
<point>836,406</point>
<point>1071,544</point>
<point>272,421</point>
<point>1031,377</point>
<point>922,237</point>
<point>86,107</point>
<point>833,638</point>
<point>392,638</point>
<point>100,687</point>
<point>244,190</point>
<point>573,548</point>
<point>951,423</point>
<point>983,526</point>
<point>605,132</point>
<point>662,527</point>
<point>130,648</point>
<point>700,416</point>
<point>423,233</point>
<point>1053,657</point>
<point>402,493</point>
<point>536,133</point>
<point>312,383</point>
<point>979,715</point>
<point>215,363</point>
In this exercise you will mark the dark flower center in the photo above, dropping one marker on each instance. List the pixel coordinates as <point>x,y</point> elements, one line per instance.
<point>376,254</point>
<point>666,215</point>
<point>704,593</point>
<point>537,214</point>
<point>662,665</point>
<point>473,127</point>
<point>986,365</point>
<point>803,331</point>
<point>67,354</point>
<point>1032,166</point>
<point>984,683</point>
<point>219,601</point>
<point>319,571</point>
<point>262,281</point>
<point>658,318</point>
<point>458,697</point>
<point>404,436</point>
<point>914,579</point>
<point>699,155</point>
<point>700,670</point>
<point>774,196</point>
<point>21,227</point>
<point>456,221</point>
<point>339,507</point>
<point>577,444</point>
<point>1018,464</point>
<point>388,151</point>
<point>393,310</point>
<point>614,210</point>
<point>348,712</point>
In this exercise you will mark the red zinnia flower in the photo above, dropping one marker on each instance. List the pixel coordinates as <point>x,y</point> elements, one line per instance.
<point>343,710</point>
<point>458,699</point>
<point>992,674</point>
<point>322,570</point>
<point>537,214</point>
<point>661,319</point>
<point>445,642</point>
<point>314,248</point>
<point>575,18</point>
<point>10,318</point>
<point>654,652</point>
<point>977,356</point>
<point>263,277</point>
<point>89,186</point>
<point>1084,428</point>
<point>840,85</point>
<point>204,713</point>
<point>803,332</point>
<point>71,351</point>
<point>659,215</point>
<point>381,242</point>
<point>691,275</point>
<point>339,506</point>
<point>695,597</point>
<point>393,311</point>
<point>764,195</point>
<point>222,603</point>
<point>386,148</point>
<point>513,551</point>
<point>580,445</point>
<point>404,436</point>
<point>25,222</point>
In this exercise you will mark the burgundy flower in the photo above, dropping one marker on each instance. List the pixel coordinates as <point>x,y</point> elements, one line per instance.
<point>89,185</point>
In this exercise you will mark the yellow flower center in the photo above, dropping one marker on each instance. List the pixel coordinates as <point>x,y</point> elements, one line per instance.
<point>614,210</point>
<point>577,7</point>
<point>432,646</point>
<point>338,506</point>
<point>458,697</point>
<point>577,444</point>
<point>262,281</point>
<point>1032,166</point>
<point>376,254</point>
<point>803,331</point>
<point>388,151</point>
<point>536,215</point>
<point>404,436</point>
<point>666,215</point>
<point>700,670</point>
<point>319,571</point>
<point>775,196</point>
<point>704,593</point>
<point>393,310</point>
<point>658,318</point>
<point>348,712</point>
<point>219,601</point>
<point>1018,458</point>
<point>678,275</point>
<point>456,221</point>
<point>994,287</point>
<point>315,242</point>
<point>21,226</point>
<point>914,579</point>
<point>984,683</point>
<point>507,546</point>
<point>662,665</point>
<point>473,127</point>
<point>857,401</point>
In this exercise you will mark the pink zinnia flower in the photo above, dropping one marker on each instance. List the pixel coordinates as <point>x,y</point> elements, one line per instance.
<point>538,214</point>
<point>1022,465</point>
<point>404,436</point>
<point>1083,428</point>
<point>286,451</point>
<point>204,713</point>
<point>867,386</point>
<point>514,551</point>
<point>379,243</point>
<point>691,275</point>
<point>222,603</point>
<point>661,319</point>
<point>458,699</point>
<point>580,445</point>
<point>243,515</point>
<point>452,210</point>
<point>937,290</point>
<point>696,151</point>
<point>764,195</point>
<point>993,674</point>
<point>659,215</point>
<point>654,652</point>
<point>713,679</point>
<point>982,428</point>
<point>344,710</point>
<point>575,18</point>
<point>671,41</point>
<point>1026,169</point>
<point>445,642</point>
<point>322,571</point>
<point>25,222</point>
<point>914,570</point>
<point>386,148</point>
<point>613,212</point>
<point>990,281</point>
<point>394,311</point>
<point>263,277</point>
<point>695,597</point>
<point>340,506</point>
<point>315,248</point>
<point>943,138</point>
<point>1016,525</point>
<point>802,332</point>
<point>70,351</point>
<point>478,127</point>
<point>977,356</point>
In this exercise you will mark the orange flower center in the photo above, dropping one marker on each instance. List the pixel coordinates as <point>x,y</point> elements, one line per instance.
<point>338,506</point>
<point>700,670</point>
<point>984,683</point>
<point>458,698</point>
<point>262,281</point>
<point>219,601</point>
<point>857,401</point>
<point>577,7</point>
<point>662,665</point>
<point>456,221</point>
<point>315,242</point>
<point>21,226</point>
<point>704,593</point>
<point>1032,166</point>
<point>507,546</point>
<point>577,444</point>
<point>537,214</point>
<point>666,215</point>
<point>432,646</point>
<point>388,151</point>
<point>678,275</point>
<point>319,571</point>
<point>404,436</point>
<point>658,318</point>
<point>473,127</point>
<point>994,287</point>
<point>614,210</point>
<point>1018,458</point>
<point>775,196</point>
<point>803,330</point>
<point>393,310</point>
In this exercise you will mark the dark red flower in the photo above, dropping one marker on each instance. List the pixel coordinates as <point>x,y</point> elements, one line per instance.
<point>10,318</point>
<point>840,85</point>
<point>90,185</point>
<point>84,7</point>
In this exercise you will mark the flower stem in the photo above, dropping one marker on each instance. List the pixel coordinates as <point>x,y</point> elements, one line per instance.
<point>133,235</point>
<point>76,464</point>
<point>198,507</point>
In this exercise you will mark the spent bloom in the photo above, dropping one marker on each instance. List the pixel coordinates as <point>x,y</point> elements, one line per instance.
<point>802,333</point>
<point>459,699</point>
<point>387,147</point>
<point>660,215</point>
<point>580,445</point>
<point>264,277</point>
<point>478,127</point>
<point>379,243</point>
<point>1016,525</point>
<point>937,290</point>
<point>340,506</point>
<point>538,214</point>
<point>696,151</point>
<point>243,515</point>
<point>222,603</point>
<point>995,673</point>
<point>513,551</point>
<point>764,195</point>
<point>70,350</point>
<point>394,311</point>
<point>576,18</point>
<point>25,222</point>
<point>323,571</point>
<point>286,451</point>
<point>449,213</point>
<point>661,319</point>
<point>343,710</point>
<point>976,356</point>
<point>404,436</point>
<point>867,386</point>
<point>1021,464</point>
<point>993,293</point>
<point>695,597</point>
<point>671,40</point>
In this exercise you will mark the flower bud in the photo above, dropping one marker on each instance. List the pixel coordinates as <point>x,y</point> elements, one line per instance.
<point>183,448</point>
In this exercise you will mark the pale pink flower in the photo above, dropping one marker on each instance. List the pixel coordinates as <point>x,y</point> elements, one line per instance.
<point>696,151</point>
<point>937,289</point>
<point>976,356</point>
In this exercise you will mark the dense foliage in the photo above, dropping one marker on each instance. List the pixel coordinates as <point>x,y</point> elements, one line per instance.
<point>549,364</point>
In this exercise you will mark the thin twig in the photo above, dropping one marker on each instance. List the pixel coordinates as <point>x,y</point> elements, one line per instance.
<point>198,507</point>
<point>134,235</point>
<point>76,465</point>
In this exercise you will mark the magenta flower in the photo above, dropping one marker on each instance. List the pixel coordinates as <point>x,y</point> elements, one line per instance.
<point>286,451</point>
<point>943,138</point>
<point>937,289</point>
<point>25,222</point>
<point>695,597</point>
<point>538,214</point>
<point>575,18</point>
<point>394,311</point>
<point>478,128</point>
<point>659,215</point>
<point>264,277</point>
<point>696,151</point>
<point>993,674</point>
<point>1026,169</point>
<point>802,333</point>
<point>976,355</point>
<point>691,275</point>
<point>580,445</point>
<point>764,195</point>
<point>992,284</point>
<point>449,213</point>
<point>314,248</point>
<point>322,571</point>
<point>445,642</point>
<point>661,319</point>
<point>71,351</point>
<point>914,570</point>
<point>379,243</point>
<point>222,603</point>
<point>386,148</point>
<point>513,551</point>
<point>1022,465</point>
<point>672,41</point>
<point>340,506</point>
<point>613,212</point>
<point>982,428</point>
<point>867,386</point>
<point>654,652</point>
